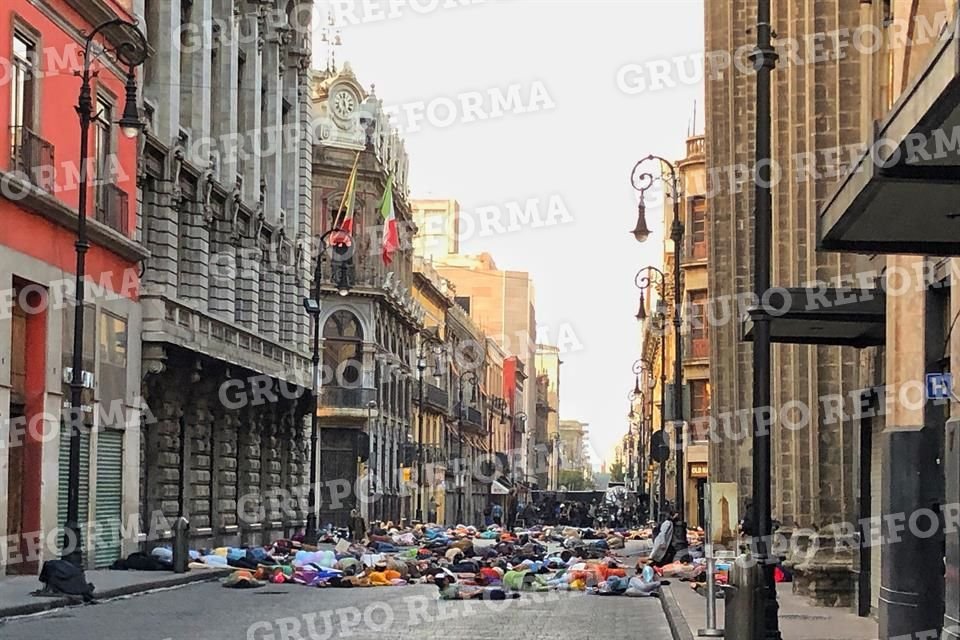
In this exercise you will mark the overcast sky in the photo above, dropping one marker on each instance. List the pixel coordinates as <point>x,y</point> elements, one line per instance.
<point>573,151</point>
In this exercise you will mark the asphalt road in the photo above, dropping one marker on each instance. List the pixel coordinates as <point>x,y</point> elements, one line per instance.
<point>290,612</point>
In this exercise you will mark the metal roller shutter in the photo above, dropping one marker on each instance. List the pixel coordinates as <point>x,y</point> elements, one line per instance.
<point>109,497</point>
<point>64,479</point>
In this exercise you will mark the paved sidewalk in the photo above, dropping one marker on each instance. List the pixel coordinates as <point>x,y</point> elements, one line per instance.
<point>799,620</point>
<point>16,598</point>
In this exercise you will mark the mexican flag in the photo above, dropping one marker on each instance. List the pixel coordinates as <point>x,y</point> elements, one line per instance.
<point>391,238</point>
<point>344,237</point>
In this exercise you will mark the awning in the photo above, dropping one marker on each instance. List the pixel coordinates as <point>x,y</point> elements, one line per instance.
<point>903,195</point>
<point>498,489</point>
<point>848,317</point>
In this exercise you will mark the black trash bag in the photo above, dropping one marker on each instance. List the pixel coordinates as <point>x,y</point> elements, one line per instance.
<point>61,577</point>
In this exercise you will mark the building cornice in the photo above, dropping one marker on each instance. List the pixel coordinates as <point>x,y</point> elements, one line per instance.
<point>52,209</point>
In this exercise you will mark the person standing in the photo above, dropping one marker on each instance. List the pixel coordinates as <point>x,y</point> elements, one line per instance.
<point>497,514</point>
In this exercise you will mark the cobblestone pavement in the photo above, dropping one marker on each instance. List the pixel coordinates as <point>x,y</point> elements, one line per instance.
<point>291,612</point>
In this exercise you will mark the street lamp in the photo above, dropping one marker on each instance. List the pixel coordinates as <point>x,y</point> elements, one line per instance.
<point>641,182</point>
<point>644,279</point>
<point>131,52</point>
<point>428,340</point>
<point>472,377</point>
<point>764,59</point>
<point>520,418</point>
<point>638,421</point>
<point>312,306</point>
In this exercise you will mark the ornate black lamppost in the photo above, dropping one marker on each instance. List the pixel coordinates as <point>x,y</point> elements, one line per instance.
<point>764,59</point>
<point>641,182</point>
<point>429,342</point>
<point>131,52</point>
<point>462,412</point>
<point>312,306</point>
<point>645,278</point>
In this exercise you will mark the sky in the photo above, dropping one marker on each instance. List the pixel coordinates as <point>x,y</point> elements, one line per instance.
<point>565,153</point>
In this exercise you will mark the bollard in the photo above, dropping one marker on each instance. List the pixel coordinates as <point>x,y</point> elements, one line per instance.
<point>743,610</point>
<point>711,631</point>
<point>181,545</point>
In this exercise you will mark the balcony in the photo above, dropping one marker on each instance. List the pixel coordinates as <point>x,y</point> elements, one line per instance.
<point>433,397</point>
<point>112,208</point>
<point>347,403</point>
<point>470,417</point>
<point>695,147</point>
<point>32,156</point>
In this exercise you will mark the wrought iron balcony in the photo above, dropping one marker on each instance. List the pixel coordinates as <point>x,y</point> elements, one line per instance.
<point>346,397</point>
<point>113,208</point>
<point>470,417</point>
<point>433,397</point>
<point>32,156</point>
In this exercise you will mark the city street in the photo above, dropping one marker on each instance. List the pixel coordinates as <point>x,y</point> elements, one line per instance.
<point>290,612</point>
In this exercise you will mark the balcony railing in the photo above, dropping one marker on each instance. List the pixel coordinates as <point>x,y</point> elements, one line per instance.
<point>347,397</point>
<point>695,147</point>
<point>433,397</point>
<point>32,156</point>
<point>470,416</point>
<point>112,208</point>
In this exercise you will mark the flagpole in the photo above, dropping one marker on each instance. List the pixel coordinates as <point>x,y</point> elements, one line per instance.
<point>343,199</point>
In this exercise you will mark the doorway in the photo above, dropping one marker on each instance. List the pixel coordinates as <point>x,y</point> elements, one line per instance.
<point>26,432</point>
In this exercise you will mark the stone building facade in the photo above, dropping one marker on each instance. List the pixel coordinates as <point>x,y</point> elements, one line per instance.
<point>370,335</point>
<point>816,114</point>
<point>226,204</point>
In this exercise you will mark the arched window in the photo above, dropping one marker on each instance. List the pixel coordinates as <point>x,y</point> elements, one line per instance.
<point>343,348</point>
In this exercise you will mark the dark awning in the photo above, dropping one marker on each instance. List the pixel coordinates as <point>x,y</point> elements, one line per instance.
<point>847,317</point>
<point>903,195</point>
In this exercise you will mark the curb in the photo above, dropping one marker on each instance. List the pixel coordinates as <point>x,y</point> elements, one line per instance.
<point>47,604</point>
<point>678,623</point>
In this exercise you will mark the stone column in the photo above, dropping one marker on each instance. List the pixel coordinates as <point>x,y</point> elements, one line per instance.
<point>162,233</point>
<point>194,249</point>
<point>270,469</point>
<point>162,69</point>
<point>223,271</point>
<point>250,122</point>
<point>269,307</point>
<point>194,65</point>
<point>271,143</point>
<point>248,285</point>
<point>248,466</point>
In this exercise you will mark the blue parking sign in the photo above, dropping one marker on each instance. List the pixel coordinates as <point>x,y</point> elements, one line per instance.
<point>939,386</point>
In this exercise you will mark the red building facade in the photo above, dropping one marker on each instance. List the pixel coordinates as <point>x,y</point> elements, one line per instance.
<point>41,42</point>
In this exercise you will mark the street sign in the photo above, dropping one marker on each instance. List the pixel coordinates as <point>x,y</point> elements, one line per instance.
<point>939,386</point>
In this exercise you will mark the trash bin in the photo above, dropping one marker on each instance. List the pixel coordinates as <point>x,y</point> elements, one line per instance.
<point>742,604</point>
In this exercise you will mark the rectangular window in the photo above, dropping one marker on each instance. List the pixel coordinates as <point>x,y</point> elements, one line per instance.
<point>241,110</point>
<point>22,101</point>
<point>699,409</point>
<point>698,227</point>
<point>699,335</point>
<point>112,378</point>
<point>102,149</point>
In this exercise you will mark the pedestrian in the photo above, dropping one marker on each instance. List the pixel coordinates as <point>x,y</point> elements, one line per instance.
<point>487,515</point>
<point>357,526</point>
<point>497,513</point>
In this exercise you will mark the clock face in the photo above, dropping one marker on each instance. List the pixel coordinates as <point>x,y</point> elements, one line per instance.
<point>344,104</point>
